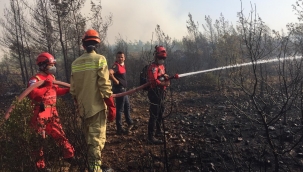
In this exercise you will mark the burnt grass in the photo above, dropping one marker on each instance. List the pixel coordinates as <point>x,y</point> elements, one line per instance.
<point>203,132</point>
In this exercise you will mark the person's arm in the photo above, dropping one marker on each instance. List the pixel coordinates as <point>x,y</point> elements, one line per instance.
<point>166,81</point>
<point>112,77</point>
<point>104,83</point>
<point>61,91</point>
<point>105,89</point>
<point>152,75</point>
<point>73,93</point>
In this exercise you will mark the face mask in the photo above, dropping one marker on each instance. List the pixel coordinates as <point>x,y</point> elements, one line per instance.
<point>52,70</point>
<point>161,61</point>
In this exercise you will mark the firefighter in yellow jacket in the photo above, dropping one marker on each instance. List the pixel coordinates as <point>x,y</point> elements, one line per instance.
<point>91,88</point>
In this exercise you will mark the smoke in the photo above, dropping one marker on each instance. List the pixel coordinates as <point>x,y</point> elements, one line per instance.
<point>137,19</point>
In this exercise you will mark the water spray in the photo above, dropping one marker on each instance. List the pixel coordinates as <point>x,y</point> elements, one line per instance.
<point>240,65</point>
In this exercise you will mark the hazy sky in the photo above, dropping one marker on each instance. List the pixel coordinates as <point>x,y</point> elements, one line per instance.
<point>137,19</point>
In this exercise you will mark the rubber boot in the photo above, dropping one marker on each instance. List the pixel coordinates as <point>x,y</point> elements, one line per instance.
<point>159,133</point>
<point>122,131</point>
<point>154,141</point>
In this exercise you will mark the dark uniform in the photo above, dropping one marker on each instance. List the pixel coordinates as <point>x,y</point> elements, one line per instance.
<point>122,103</point>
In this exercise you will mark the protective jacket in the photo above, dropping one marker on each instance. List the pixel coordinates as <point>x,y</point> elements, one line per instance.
<point>86,70</point>
<point>44,97</point>
<point>154,73</point>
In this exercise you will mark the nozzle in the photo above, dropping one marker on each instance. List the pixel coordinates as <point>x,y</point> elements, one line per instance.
<point>176,76</point>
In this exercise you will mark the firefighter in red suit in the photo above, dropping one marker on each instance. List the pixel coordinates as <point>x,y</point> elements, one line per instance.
<point>45,119</point>
<point>156,94</point>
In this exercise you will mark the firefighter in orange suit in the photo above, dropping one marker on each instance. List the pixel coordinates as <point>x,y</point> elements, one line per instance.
<point>46,119</point>
<point>91,89</point>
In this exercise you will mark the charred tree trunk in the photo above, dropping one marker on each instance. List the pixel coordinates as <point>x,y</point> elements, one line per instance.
<point>17,41</point>
<point>63,47</point>
<point>21,39</point>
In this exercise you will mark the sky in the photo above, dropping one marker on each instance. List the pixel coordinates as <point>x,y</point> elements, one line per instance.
<point>137,19</point>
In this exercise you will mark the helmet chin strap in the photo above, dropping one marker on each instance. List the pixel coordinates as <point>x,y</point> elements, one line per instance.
<point>43,69</point>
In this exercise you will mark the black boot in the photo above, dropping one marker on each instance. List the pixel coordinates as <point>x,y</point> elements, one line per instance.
<point>106,169</point>
<point>130,126</point>
<point>122,131</point>
<point>154,141</point>
<point>159,133</point>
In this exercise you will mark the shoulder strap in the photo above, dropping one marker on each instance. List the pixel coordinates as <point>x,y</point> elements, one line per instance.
<point>38,78</point>
<point>117,65</point>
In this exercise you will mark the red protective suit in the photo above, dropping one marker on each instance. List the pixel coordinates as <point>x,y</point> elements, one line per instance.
<point>47,121</point>
<point>155,71</point>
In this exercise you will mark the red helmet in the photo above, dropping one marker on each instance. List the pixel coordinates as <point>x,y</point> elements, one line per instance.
<point>160,52</point>
<point>45,58</point>
<point>91,35</point>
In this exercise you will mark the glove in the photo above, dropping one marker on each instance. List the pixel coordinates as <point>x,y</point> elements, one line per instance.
<point>48,83</point>
<point>166,76</point>
<point>111,116</point>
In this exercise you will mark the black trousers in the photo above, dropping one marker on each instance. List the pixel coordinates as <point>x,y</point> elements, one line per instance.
<point>122,106</point>
<point>156,98</point>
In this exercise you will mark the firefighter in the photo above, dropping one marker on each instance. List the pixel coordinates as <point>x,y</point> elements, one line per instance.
<point>46,119</point>
<point>91,89</point>
<point>156,94</point>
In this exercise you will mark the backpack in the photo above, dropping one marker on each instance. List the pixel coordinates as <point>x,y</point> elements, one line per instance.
<point>143,77</point>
